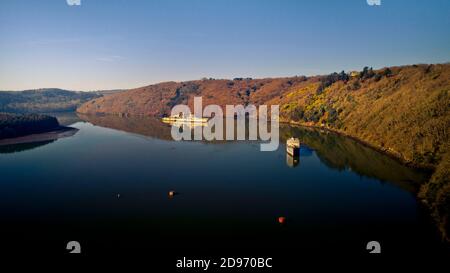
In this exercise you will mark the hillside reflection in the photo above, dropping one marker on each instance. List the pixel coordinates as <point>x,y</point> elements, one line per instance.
<point>343,153</point>
<point>16,148</point>
<point>141,125</point>
<point>335,151</point>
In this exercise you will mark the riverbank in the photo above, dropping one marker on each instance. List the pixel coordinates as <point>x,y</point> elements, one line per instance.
<point>388,152</point>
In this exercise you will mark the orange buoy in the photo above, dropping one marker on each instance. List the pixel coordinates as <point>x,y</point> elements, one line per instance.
<point>281,220</point>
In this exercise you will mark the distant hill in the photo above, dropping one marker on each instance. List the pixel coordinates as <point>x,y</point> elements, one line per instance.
<point>46,100</point>
<point>403,111</point>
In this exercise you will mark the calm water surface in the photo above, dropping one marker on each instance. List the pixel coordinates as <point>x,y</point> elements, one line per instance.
<point>339,194</point>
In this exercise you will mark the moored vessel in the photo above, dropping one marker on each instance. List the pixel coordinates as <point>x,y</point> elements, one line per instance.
<point>181,118</point>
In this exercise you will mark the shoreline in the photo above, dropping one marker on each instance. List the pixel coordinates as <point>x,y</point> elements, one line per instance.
<point>60,132</point>
<point>394,155</point>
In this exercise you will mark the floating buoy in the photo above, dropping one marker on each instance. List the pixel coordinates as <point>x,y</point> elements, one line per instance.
<point>171,194</point>
<point>118,195</point>
<point>281,220</point>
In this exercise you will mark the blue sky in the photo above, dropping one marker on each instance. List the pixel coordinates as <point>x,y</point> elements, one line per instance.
<point>109,44</point>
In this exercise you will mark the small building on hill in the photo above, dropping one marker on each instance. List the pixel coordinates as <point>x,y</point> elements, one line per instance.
<point>354,74</point>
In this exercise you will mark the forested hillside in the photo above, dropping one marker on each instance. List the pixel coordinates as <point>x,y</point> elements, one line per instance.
<point>15,125</point>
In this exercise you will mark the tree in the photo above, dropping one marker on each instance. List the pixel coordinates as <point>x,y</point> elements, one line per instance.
<point>387,72</point>
<point>343,76</point>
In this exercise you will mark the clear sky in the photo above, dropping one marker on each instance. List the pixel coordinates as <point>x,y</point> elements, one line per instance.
<point>110,44</point>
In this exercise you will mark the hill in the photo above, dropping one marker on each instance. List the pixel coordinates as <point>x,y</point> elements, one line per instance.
<point>403,111</point>
<point>158,99</point>
<point>46,100</point>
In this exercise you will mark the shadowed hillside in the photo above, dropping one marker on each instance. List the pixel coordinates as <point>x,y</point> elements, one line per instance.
<point>14,125</point>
